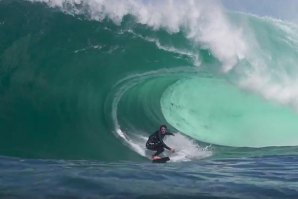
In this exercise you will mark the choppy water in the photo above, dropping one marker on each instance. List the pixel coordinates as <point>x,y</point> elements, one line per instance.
<point>265,177</point>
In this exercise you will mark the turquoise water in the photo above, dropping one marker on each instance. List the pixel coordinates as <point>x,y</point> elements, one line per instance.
<point>208,115</point>
<point>91,80</point>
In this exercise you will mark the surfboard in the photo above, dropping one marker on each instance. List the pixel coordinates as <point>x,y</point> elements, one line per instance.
<point>161,160</point>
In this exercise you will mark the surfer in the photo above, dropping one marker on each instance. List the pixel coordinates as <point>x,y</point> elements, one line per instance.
<point>155,142</point>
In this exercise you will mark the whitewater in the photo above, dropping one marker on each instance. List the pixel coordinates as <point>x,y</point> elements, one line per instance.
<point>84,83</point>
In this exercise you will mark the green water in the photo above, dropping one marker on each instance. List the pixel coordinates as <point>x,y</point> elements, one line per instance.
<point>69,82</point>
<point>214,111</point>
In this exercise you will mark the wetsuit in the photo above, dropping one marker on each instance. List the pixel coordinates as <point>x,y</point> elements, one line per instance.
<point>155,142</point>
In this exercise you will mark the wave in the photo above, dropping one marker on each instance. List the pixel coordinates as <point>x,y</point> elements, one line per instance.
<point>76,74</point>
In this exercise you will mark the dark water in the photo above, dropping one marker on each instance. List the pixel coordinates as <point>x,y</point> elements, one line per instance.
<point>83,84</point>
<point>266,177</point>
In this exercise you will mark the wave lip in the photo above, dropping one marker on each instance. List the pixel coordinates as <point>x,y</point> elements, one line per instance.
<point>204,22</point>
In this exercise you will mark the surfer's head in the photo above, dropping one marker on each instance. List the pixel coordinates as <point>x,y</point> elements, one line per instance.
<point>163,128</point>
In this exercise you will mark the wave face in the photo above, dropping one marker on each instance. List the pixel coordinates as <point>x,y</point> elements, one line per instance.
<point>92,79</point>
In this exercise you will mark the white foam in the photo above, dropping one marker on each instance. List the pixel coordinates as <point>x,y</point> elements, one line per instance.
<point>136,146</point>
<point>284,91</point>
<point>274,78</point>
<point>203,21</point>
<point>186,148</point>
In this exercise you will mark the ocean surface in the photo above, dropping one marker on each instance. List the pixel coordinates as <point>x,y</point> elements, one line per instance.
<point>84,83</point>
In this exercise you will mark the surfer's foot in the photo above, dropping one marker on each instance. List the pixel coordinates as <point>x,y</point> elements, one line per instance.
<point>156,157</point>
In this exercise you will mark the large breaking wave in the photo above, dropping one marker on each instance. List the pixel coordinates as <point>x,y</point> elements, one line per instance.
<point>120,68</point>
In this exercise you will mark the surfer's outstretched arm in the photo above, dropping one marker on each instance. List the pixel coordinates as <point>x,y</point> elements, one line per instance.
<point>169,133</point>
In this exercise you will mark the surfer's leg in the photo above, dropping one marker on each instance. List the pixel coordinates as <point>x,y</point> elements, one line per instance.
<point>159,150</point>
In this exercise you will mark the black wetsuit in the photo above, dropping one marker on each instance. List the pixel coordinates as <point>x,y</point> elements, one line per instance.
<point>155,142</point>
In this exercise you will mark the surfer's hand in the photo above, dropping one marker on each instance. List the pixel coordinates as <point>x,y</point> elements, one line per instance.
<point>173,150</point>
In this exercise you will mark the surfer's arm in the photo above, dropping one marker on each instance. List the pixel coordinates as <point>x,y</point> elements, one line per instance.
<point>164,145</point>
<point>169,133</point>
<point>169,148</point>
<point>161,141</point>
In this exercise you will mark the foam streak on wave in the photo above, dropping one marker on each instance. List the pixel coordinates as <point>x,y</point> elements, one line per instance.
<point>194,57</point>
